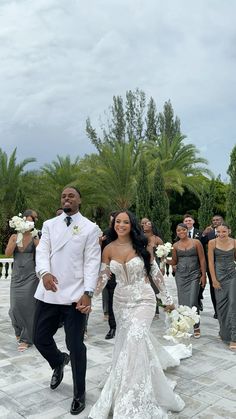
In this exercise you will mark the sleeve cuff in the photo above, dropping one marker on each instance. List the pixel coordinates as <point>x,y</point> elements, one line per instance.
<point>42,274</point>
<point>88,288</point>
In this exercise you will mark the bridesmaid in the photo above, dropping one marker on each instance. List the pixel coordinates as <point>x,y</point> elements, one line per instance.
<point>188,256</point>
<point>222,256</point>
<point>23,284</point>
<point>154,240</point>
<point>151,233</point>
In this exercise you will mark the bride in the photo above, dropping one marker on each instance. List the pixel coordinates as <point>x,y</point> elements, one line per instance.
<point>136,387</point>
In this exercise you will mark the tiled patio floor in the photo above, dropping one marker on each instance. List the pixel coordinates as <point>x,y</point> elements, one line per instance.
<point>207,381</point>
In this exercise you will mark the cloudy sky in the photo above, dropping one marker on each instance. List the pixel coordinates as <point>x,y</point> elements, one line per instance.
<point>63,60</point>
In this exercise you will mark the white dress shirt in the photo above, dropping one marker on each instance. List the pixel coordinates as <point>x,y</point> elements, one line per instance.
<point>190,233</point>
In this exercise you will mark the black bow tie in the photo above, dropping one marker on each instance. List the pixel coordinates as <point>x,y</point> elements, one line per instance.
<point>68,220</point>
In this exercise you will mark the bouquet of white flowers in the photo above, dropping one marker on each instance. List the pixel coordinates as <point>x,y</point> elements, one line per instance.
<point>181,321</point>
<point>21,225</point>
<point>163,250</point>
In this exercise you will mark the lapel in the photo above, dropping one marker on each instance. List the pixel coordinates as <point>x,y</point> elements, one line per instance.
<point>62,233</point>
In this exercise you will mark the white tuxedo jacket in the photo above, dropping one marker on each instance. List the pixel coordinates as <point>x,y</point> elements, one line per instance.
<point>72,254</point>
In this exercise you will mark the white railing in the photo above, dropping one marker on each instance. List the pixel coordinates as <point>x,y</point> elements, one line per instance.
<point>5,271</point>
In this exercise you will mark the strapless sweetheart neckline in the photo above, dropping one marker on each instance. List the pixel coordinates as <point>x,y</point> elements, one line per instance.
<point>125,263</point>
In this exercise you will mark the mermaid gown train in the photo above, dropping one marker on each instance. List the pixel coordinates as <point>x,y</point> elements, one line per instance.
<point>136,387</point>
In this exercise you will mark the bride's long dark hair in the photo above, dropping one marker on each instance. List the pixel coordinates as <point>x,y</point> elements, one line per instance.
<point>139,241</point>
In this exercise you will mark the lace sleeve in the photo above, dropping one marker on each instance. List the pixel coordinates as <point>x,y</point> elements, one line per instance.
<point>103,277</point>
<point>158,280</point>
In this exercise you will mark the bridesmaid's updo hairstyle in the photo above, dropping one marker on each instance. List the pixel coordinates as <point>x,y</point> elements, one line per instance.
<point>139,241</point>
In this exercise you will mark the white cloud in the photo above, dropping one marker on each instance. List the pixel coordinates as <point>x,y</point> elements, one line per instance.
<point>62,61</point>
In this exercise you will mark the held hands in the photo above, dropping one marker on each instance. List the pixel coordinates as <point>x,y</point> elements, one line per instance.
<point>84,304</point>
<point>49,282</point>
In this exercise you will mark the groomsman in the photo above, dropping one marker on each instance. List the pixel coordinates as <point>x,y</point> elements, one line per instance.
<point>193,232</point>
<point>67,261</point>
<point>208,234</point>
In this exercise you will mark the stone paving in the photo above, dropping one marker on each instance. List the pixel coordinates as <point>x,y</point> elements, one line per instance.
<point>206,382</point>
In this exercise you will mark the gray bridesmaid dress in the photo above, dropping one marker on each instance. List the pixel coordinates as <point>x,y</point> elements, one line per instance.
<point>187,277</point>
<point>226,296</point>
<point>23,286</point>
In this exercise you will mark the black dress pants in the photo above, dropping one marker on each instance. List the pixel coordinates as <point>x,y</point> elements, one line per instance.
<point>111,284</point>
<point>45,326</point>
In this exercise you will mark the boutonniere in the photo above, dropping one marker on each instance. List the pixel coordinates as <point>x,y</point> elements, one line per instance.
<point>76,230</point>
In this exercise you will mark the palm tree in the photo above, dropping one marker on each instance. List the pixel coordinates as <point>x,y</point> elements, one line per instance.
<point>11,180</point>
<point>10,177</point>
<point>181,165</point>
<point>110,176</point>
<point>52,179</point>
<point>62,172</point>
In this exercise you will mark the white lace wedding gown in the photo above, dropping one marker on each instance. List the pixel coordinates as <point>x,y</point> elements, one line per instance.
<point>136,387</point>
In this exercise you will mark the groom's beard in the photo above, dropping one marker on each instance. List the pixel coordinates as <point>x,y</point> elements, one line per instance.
<point>67,210</point>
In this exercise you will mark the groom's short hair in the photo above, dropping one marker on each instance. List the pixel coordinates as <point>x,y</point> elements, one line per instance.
<point>75,189</point>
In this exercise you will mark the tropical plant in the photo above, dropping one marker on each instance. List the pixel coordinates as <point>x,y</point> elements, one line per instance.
<point>231,199</point>
<point>11,180</point>
<point>62,172</point>
<point>160,205</point>
<point>125,122</point>
<point>10,177</point>
<point>181,166</point>
<point>157,136</point>
<point>142,191</point>
<point>207,204</point>
<point>53,178</point>
<point>110,176</point>
<point>168,124</point>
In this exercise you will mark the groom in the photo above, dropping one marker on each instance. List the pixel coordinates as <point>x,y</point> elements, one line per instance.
<point>67,261</point>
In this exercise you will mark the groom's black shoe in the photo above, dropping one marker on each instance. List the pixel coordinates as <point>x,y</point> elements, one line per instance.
<point>77,405</point>
<point>110,334</point>
<point>58,372</point>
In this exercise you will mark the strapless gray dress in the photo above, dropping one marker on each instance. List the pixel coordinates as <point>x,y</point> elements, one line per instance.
<point>226,296</point>
<point>187,277</point>
<point>23,286</point>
